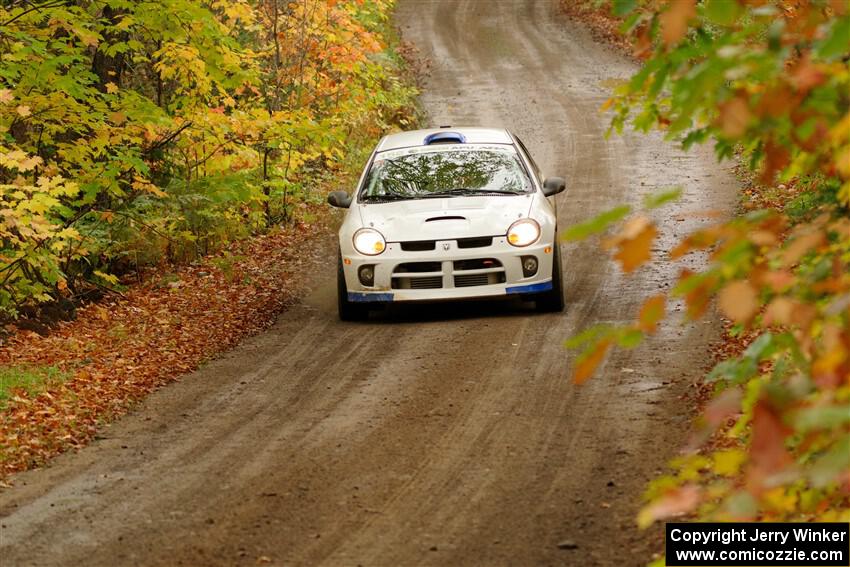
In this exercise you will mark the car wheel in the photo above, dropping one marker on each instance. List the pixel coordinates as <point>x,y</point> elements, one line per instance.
<point>348,310</point>
<point>552,301</point>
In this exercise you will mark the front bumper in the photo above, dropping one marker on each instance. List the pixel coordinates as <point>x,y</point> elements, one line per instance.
<point>451,273</point>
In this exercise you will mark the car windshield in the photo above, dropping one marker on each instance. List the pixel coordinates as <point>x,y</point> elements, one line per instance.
<point>420,173</point>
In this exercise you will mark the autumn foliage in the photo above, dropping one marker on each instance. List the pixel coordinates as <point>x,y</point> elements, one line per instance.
<point>141,132</point>
<point>120,349</point>
<point>768,83</point>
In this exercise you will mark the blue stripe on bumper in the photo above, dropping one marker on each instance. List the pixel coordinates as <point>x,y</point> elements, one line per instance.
<point>369,297</point>
<point>530,288</point>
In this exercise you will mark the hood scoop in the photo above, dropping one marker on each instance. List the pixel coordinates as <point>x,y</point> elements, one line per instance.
<point>445,217</point>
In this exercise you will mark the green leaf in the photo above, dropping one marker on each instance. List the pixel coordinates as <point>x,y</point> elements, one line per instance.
<point>591,334</point>
<point>740,504</point>
<point>623,7</point>
<point>837,42</point>
<point>629,338</point>
<point>108,278</point>
<point>659,199</point>
<point>629,23</point>
<point>762,347</point>
<point>822,417</point>
<point>828,468</point>
<point>598,224</point>
<point>734,370</point>
<point>721,12</point>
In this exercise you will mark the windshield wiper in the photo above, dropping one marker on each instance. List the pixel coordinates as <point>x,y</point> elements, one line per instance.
<point>386,198</point>
<point>466,191</point>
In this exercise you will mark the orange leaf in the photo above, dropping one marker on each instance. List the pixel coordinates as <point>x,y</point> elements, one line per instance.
<point>763,238</point>
<point>675,503</point>
<point>767,449</point>
<point>696,300</point>
<point>634,243</point>
<point>698,240</point>
<point>776,157</point>
<point>674,21</point>
<point>739,301</point>
<point>734,117</point>
<point>776,101</point>
<point>722,407</point>
<point>643,41</point>
<point>806,75</point>
<point>780,311</point>
<point>800,246</point>
<point>589,361</point>
<point>651,313</point>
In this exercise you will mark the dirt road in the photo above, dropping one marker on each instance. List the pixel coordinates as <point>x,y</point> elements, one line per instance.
<point>448,436</point>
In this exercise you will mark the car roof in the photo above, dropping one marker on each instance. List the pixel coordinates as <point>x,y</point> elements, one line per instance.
<point>468,135</point>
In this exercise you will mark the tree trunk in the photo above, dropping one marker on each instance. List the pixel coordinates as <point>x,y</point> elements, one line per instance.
<point>109,68</point>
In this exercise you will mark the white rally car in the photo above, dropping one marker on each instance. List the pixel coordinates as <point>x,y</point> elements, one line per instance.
<point>449,213</point>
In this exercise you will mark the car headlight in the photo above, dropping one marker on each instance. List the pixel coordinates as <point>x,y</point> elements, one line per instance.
<point>524,232</point>
<point>369,241</point>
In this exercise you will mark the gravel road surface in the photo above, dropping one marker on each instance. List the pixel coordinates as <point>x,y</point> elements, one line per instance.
<point>430,436</point>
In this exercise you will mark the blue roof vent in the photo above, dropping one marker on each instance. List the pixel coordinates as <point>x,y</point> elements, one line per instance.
<point>445,138</point>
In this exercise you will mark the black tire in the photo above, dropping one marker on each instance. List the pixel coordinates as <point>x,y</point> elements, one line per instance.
<point>552,301</point>
<point>348,310</point>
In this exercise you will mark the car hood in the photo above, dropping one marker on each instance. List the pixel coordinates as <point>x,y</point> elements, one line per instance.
<point>449,218</point>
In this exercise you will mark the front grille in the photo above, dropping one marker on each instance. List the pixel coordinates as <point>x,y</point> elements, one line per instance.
<point>462,243</point>
<point>415,267</point>
<point>463,273</point>
<point>418,245</point>
<point>478,242</point>
<point>432,282</point>
<point>477,264</point>
<point>426,282</point>
<point>471,280</point>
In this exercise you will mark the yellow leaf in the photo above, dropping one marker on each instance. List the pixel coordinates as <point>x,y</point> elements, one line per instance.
<point>142,184</point>
<point>6,96</point>
<point>728,462</point>
<point>844,194</point>
<point>88,39</point>
<point>111,88</point>
<point>109,278</point>
<point>842,161</point>
<point>23,111</point>
<point>30,163</point>
<point>780,499</point>
<point>739,301</point>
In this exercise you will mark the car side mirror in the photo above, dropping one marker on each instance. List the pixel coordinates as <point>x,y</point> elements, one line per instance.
<point>553,186</point>
<point>339,199</point>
